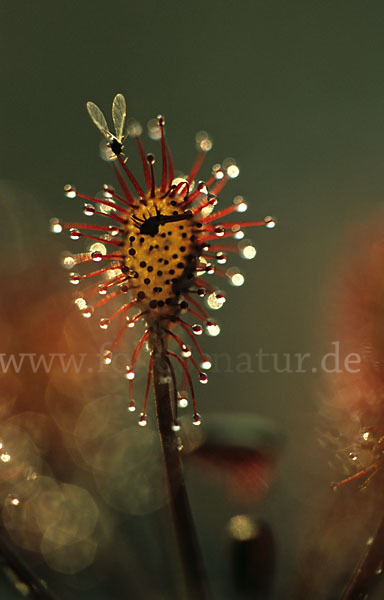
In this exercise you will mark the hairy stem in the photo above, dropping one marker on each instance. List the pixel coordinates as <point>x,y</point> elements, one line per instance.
<point>188,544</point>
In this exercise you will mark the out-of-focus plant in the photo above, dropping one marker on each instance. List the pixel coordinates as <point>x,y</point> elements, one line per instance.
<point>352,533</point>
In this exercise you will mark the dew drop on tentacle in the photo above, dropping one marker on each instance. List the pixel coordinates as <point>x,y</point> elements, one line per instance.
<point>212,329</point>
<point>89,210</point>
<point>197,329</point>
<point>238,233</point>
<point>102,289</point>
<point>182,401</point>
<point>231,168</point>
<point>74,278</point>
<point>154,129</point>
<point>108,191</point>
<point>218,171</point>
<point>221,258</point>
<point>219,231</point>
<point>235,277</point>
<point>113,230</point>
<point>202,187</point>
<point>132,406</point>
<point>143,422</point>
<point>206,364</point>
<point>203,141</point>
<point>70,191</point>
<point>13,500</point>
<point>107,357</point>
<point>247,250</point>
<point>80,302</point>
<point>55,226</point>
<point>104,323</point>
<point>270,222</point>
<point>196,419</point>
<point>241,205</point>
<point>97,247</point>
<point>129,374</point>
<point>134,128</point>
<point>185,351</point>
<point>96,256</point>
<point>130,322</point>
<point>74,234</point>
<point>87,312</point>
<point>216,300</point>
<point>67,261</point>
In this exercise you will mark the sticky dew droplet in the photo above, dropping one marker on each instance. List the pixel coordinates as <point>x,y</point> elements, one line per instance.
<point>107,357</point>
<point>216,300</point>
<point>74,234</point>
<point>96,256</point>
<point>182,401</point>
<point>241,205</point>
<point>219,231</point>
<point>104,323</point>
<point>196,419</point>
<point>89,210</point>
<point>270,222</point>
<point>203,141</point>
<point>221,258</point>
<point>87,312</point>
<point>212,329</point>
<point>248,252</point>
<point>102,289</point>
<point>113,230</point>
<point>197,329</point>
<point>70,191</point>
<point>129,374</point>
<point>143,422</point>
<point>206,364</point>
<point>55,226</point>
<point>185,351</point>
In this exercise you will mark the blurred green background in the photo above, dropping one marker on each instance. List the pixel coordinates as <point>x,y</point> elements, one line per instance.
<point>294,91</point>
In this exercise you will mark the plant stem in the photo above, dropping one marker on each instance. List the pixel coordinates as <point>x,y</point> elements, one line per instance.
<point>25,581</point>
<point>190,554</point>
<point>366,574</point>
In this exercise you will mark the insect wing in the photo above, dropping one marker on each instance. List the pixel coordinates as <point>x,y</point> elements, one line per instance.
<point>99,119</point>
<point>119,113</point>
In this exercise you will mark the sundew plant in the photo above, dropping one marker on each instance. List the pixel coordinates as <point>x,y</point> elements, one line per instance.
<point>157,248</point>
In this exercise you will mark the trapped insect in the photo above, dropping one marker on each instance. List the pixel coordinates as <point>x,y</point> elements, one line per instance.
<point>119,113</point>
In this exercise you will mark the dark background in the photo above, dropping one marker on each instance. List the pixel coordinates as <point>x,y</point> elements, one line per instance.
<point>293,90</point>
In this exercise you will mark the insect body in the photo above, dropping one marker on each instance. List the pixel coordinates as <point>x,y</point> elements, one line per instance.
<point>150,226</point>
<point>114,142</point>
